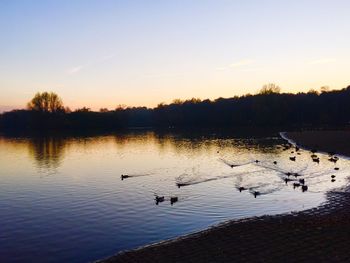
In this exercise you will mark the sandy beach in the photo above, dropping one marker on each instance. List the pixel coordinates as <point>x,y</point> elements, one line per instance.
<point>320,234</point>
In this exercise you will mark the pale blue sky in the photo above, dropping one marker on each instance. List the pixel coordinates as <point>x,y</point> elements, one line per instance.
<point>104,53</point>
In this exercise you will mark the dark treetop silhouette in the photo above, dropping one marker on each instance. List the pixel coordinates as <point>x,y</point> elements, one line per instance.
<point>46,102</point>
<point>268,108</point>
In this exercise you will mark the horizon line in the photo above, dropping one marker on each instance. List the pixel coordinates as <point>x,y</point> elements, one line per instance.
<point>6,108</point>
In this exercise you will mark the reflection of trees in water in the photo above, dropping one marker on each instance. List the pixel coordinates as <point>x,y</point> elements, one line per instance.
<point>204,144</point>
<point>47,151</point>
<point>274,168</point>
<point>192,143</point>
<point>124,139</point>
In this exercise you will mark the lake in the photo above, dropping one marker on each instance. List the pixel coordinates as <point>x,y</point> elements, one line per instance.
<point>62,197</point>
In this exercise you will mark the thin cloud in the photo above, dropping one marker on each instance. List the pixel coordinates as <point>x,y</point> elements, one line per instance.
<point>75,70</point>
<point>242,63</point>
<point>239,64</point>
<point>322,61</point>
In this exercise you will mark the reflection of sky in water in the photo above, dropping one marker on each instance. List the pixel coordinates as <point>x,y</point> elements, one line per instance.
<point>62,198</point>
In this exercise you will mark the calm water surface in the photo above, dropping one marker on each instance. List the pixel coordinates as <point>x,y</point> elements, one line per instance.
<point>62,198</point>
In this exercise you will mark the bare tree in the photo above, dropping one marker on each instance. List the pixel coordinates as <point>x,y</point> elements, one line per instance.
<point>83,109</point>
<point>177,101</point>
<point>270,88</point>
<point>121,107</point>
<point>324,89</point>
<point>104,110</point>
<point>46,102</point>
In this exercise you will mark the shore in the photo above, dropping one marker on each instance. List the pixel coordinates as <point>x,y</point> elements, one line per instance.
<point>325,141</point>
<point>319,234</point>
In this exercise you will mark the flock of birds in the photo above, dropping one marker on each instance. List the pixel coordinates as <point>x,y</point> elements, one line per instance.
<point>298,182</point>
<point>314,157</point>
<point>295,177</point>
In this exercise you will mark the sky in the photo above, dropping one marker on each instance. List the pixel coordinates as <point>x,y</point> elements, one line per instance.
<point>105,53</point>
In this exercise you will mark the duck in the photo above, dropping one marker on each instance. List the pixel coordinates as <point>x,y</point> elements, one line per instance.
<point>173,199</point>
<point>336,168</point>
<point>180,184</point>
<point>257,161</point>
<point>292,158</point>
<point>333,159</point>
<point>302,181</point>
<point>124,176</point>
<point>316,160</point>
<point>159,199</point>
<point>286,180</point>
<point>275,162</point>
<point>333,180</point>
<point>296,175</point>
<point>333,176</point>
<point>241,188</point>
<point>304,188</point>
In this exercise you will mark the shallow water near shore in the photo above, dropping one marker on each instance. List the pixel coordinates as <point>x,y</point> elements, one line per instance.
<point>62,197</point>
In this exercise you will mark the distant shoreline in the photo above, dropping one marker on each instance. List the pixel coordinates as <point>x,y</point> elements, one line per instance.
<point>268,108</point>
<point>318,234</point>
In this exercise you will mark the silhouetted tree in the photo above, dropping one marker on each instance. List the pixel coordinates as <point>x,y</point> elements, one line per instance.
<point>270,89</point>
<point>268,108</point>
<point>46,102</point>
<point>121,107</point>
<point>313,91</point>
<point>324,89</point>
<point>104,110</point>
<point>83,109</point>
<point>177,101</point>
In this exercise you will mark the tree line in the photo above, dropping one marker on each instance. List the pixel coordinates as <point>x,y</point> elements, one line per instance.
<point>269,107</point>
